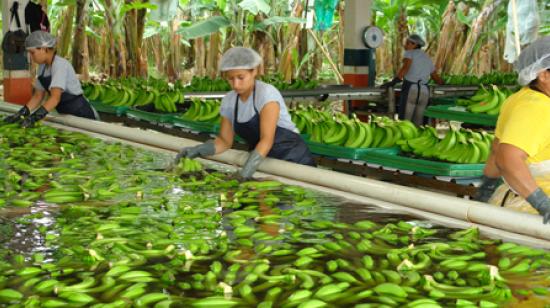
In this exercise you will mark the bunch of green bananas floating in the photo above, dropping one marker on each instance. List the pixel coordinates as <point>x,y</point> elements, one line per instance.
<point>337,129</point>
<point>487,101</point>
<point>188,165</point>
<point>458,146</point>
<point>203,111</point>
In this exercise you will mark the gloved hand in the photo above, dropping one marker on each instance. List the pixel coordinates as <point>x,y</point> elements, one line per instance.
<point>38,115</point>
<point>18,116</point>
<point>391,83</point>
<point>252,163</point>
<point>487,188</point>
<point>205,149</point>
<point>540,201</point>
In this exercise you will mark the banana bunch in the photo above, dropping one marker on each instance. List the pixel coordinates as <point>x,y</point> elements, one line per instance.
<point>203,111</point>
<point>136,92</point>
<point>337,129</point>
<point>206,84</point>
<point>489,78</point>
<point>487,101</point>
<point>458,146</point>
<point>278,81</point>
<point>188,165</point>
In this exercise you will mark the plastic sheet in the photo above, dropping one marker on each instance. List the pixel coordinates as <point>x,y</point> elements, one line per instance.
<point>528,23</point>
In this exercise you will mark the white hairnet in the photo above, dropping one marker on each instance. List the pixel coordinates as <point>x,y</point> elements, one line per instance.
<point>415,38</point>
<point>238,58</point>
<point>39,39</point>
<point>532,60</point>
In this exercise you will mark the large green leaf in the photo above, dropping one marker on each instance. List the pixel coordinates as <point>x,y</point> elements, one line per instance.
<point>136,6</point>
<point>204,28</point>
<point>277,20</point>
<point>255,6</point>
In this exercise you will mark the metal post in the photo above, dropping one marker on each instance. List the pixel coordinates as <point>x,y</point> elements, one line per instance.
<point>391,100</point>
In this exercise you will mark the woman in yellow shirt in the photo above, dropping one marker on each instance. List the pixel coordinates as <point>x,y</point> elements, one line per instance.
<point>521,150</point>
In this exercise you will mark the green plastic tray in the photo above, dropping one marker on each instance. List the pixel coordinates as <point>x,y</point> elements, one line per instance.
<point>150,117</point>
<point>101,107</point>
<point>426,166</point>
<point>461,114</point>
<point>344,152</point>
<point>203,127</point>
<point>451,100</point>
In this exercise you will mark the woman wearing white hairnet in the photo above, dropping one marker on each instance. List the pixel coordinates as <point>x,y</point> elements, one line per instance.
<point>415,73</point>
<point>521,150</point>
<point>57,78</point>
<point>256,112</point>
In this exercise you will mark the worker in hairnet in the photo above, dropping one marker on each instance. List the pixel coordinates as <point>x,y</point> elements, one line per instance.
<point>521,150</point>
<point>415,73</point>
<point>57,78</point>
<point>256,112</point>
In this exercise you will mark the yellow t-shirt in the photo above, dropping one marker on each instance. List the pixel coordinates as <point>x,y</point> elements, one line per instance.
<point>524,122</point>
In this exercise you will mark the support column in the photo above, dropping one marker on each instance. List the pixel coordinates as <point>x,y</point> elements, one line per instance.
<point>17,78</point>
<point>359,70</point>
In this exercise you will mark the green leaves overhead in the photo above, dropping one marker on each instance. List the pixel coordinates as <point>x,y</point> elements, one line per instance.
<point>136,6</point>
<point>205,27</point>
<point>255,6</point>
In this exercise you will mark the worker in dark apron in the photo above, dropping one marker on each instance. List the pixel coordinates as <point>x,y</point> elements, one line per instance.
<point>256,112</point>
<point>415,73</point>
<point>57,78</point>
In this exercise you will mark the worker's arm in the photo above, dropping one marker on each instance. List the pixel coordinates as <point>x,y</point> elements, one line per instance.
<point>35,100</point>
<point>53,99</point>
<point>224,141</point>
<point>511,161</point>
<point>404,68</point>
<point>491,170</point>
<point>435,76</point>
<point>269,116</point>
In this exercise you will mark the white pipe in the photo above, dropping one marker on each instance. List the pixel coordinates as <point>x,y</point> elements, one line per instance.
<point>432,217</point>
<point>471,211</point>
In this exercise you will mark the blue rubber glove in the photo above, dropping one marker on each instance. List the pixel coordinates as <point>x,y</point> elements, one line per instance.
<point>18,116</point>
<point>540,201</point>
<point>252,163</point>
<point>487,188</point>
<point>205,149</point>
<point>38,115</point>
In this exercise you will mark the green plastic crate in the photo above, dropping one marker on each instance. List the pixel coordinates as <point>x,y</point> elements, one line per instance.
<point>426,166</point>
<point>101,107</point>
<point>345,152</point>
<point>451,100</point>
<point>203,127</point>
<point>461,114</point>
<point>151,117</point>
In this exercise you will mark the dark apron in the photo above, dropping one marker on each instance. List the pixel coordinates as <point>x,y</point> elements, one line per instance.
<point>287,145</point>
<point>404,95</point>
<point>76,105</point>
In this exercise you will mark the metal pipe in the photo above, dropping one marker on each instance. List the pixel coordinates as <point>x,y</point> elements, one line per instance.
<point>461,209</point>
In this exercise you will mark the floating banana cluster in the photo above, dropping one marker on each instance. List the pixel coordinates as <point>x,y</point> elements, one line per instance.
<point>487,101</point>
<point>135,92</point>
<point>203,111</point>
<point>187,165</point>
<point>137,237</point>
<point>458,146</point>
<point>337,129</point>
